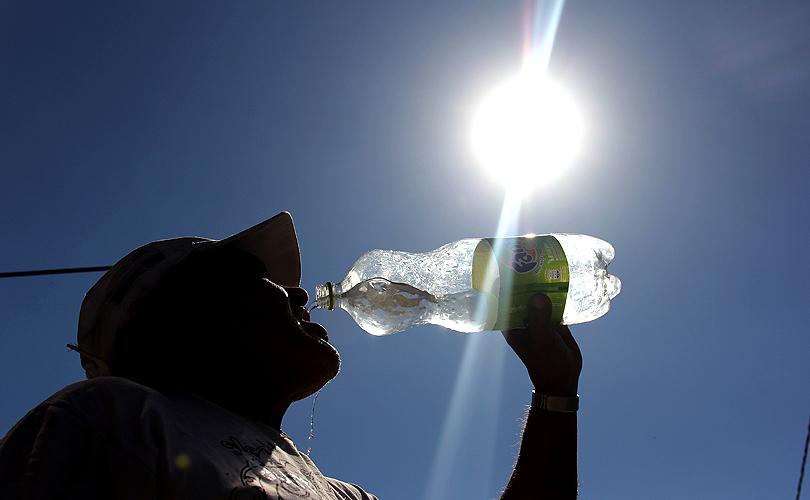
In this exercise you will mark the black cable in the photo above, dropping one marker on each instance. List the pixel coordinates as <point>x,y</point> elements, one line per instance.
<point>804,461</point>
<point>43,272</point>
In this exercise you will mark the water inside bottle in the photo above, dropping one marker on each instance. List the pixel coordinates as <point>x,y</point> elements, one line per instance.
<point>382,307</point>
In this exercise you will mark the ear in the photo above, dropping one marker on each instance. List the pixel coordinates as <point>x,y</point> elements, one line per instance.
<point>93,365</point>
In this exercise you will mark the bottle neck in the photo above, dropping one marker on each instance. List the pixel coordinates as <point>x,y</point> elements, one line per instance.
<point>326,295</point>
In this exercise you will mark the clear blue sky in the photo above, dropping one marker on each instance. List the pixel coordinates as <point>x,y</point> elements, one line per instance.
<point>125,122</point>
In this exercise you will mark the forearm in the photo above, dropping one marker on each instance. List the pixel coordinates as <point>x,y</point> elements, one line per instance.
<point>547,462</point>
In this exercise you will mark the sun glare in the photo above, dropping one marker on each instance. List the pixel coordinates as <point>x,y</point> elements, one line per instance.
<point>527,132</point>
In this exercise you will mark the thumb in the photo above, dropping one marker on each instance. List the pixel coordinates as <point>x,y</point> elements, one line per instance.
<point>540,314</point>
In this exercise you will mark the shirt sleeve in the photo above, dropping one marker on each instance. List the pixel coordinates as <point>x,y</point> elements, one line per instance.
<point>54,453</point>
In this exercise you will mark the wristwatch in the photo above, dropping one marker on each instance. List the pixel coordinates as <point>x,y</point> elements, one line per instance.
<point>565,404</point>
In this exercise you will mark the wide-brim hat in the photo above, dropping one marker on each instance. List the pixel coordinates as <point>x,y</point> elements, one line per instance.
<point>112,301</point>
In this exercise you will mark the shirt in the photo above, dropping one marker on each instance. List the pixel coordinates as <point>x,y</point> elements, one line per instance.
<point>109,437</point>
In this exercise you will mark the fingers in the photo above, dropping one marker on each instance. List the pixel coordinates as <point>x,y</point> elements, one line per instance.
<point>540,317</point>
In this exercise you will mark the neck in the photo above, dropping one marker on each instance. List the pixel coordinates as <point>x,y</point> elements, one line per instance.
<point>240,398</point>
<point>271,416</point>
<point>267,410</point>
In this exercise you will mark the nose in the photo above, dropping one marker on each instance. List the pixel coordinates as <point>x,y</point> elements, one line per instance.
<point>298,296</point>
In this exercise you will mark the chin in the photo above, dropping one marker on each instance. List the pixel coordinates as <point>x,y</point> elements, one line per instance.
<point>314,386</point>
<point>302,359</point>
<point>320,366</point>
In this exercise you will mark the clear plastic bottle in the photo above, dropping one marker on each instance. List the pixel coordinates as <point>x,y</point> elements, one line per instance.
<point>473,285</point>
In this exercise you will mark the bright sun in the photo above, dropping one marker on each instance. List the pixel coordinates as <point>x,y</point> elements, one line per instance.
<point>527,132</point>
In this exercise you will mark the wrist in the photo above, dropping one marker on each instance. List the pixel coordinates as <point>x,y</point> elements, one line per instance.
<point>560,404</point>
<point>558,388</point>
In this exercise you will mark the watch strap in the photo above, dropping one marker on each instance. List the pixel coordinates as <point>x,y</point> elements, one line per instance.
<point>565,404</point>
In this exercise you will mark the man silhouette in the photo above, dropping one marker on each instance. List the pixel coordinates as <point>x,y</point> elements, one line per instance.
<point>194,349</point>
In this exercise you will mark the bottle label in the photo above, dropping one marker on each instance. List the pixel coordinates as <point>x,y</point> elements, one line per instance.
<point>509,271</point>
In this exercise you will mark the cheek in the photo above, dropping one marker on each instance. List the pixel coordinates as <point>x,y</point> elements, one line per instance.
<point>267,309</point>
<point>256,313</point>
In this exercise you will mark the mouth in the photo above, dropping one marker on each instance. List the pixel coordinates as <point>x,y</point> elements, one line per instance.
<point>309,327</point>
<point>302,313</point>
<point>315,330</point>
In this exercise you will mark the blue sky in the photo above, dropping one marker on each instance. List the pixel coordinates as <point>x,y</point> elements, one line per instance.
<point>125,122</point>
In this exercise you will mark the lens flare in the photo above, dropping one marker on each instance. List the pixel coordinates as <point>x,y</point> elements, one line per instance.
<point>526,133</point>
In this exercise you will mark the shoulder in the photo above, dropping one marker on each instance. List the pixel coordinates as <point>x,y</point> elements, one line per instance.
<point>94,425</point>
<point>103,398</point>
<point>101,387</point>
<point>349,491</point>
<point>98,396</point>
<point>105,406</point>
<point>114,411</point>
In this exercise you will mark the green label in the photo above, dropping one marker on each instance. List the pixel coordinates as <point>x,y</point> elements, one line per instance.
<point>509,271</point>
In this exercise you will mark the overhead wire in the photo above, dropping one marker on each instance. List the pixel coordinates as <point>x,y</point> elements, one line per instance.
<point>45,272</point>
<point>804,462</point>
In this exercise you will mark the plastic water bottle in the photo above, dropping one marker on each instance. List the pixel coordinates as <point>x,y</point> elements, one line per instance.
<point>474,285</point>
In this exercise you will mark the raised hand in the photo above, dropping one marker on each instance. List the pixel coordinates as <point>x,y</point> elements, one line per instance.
<point>549,352</point>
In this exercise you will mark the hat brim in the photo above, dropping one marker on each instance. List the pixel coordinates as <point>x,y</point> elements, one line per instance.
<point>275,243</point>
